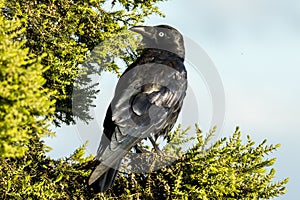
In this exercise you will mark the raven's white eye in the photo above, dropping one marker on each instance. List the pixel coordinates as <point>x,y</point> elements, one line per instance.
<point>161,34</point>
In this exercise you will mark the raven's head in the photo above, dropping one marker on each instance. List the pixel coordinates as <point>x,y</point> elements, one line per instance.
<point>162,37</point>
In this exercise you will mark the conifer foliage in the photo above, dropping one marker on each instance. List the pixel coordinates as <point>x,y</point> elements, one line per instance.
<point>42,43</point>
<point>23,101</point>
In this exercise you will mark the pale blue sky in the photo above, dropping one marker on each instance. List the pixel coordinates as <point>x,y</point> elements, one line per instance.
<point>255,46</point>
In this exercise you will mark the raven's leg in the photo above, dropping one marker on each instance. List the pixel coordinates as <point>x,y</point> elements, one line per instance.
<point>155,145</point>
<point>138,149</point>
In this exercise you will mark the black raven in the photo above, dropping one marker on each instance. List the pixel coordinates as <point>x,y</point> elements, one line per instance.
<point>147,100</point>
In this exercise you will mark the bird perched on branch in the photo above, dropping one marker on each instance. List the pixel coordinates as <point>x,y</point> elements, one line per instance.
<point>147,100</point>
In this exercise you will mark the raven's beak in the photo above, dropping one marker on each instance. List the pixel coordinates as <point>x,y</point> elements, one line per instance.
<point>145,31</point>
<point>138,29</point>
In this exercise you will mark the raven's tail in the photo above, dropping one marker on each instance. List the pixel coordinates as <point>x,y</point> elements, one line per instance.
<point>106,180</point>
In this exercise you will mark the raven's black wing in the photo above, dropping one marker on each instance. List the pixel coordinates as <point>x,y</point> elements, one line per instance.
<point>145,100</point>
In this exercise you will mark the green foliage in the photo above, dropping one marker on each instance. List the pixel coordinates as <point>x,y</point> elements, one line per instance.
<point>36,176</point>
<point>228,169</point>
<point>66,30</point>
<point>122,45</point>
<point>24,103</point>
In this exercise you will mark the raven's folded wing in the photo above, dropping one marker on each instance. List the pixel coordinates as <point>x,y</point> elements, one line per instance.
<point>140,107</point>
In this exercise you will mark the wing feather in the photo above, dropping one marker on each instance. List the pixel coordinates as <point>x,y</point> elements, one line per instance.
<point>141,107</point>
